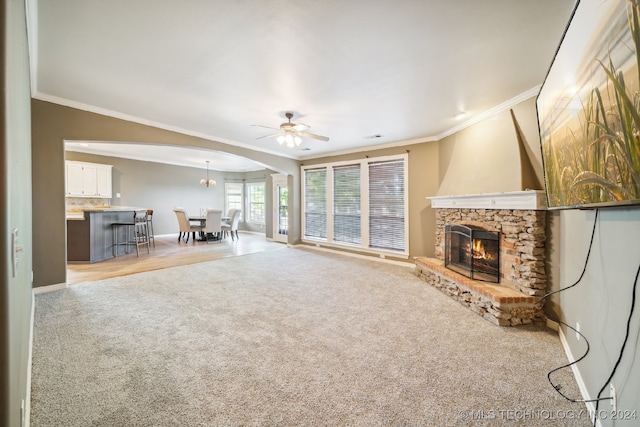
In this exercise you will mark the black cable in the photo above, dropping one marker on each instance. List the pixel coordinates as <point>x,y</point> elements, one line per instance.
<point>555,319</point>
<point>624,343</point>
<point>586,261</point>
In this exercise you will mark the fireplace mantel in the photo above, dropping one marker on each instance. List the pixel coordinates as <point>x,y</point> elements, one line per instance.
<point>520,200</point>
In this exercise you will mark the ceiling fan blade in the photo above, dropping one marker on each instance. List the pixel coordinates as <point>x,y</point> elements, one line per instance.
<point>267,127</point>
<point>269,136</point>
<point>313,136</point>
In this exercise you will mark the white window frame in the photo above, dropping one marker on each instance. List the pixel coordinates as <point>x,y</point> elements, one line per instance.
<point>249,203</point>
<point>227,186</point>
<point>364,200</point>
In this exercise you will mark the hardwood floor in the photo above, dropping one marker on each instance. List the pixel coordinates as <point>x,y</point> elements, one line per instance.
<point>169,253</point>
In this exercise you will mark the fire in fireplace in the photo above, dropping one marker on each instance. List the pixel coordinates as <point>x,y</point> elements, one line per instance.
<point>473,252</point>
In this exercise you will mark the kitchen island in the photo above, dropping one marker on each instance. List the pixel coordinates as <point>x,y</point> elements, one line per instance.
<point>90,235</point>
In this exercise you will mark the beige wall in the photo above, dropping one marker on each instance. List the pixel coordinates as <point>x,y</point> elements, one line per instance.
<point>52,124</point>
<point>485,158</point>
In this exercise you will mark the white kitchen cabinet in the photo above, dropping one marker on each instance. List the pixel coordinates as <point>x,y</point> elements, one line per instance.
<point>74,180</point>
<point>88,179</point>
<point>103,180</point>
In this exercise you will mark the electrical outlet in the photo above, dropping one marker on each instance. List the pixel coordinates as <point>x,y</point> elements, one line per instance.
<point>612,393</point>
<point>578,331</point>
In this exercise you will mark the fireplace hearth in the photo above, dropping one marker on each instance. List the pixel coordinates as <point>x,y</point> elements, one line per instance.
<point>473,252</point>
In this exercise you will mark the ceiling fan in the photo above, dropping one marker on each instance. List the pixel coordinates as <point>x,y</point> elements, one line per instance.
<point>290,133</point>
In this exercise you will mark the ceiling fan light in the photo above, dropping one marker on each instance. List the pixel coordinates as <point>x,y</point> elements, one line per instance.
<point>290,134</point>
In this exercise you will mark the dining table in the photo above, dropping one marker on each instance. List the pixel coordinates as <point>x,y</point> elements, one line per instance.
<point>202,220</point>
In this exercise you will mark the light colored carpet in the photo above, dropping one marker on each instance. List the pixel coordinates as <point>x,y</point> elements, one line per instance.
<point>287,337</point>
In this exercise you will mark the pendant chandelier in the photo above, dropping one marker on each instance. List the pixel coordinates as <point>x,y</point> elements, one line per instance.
<point>207,182</point>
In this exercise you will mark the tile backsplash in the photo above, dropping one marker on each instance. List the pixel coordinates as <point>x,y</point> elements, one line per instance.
<point>76,204</point>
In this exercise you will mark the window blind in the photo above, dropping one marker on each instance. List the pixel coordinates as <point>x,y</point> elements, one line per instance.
<point>346,204</point>
<point>315,203</point>
<point>386,205</point>
<point>233,195</point>
<point>255,202</point>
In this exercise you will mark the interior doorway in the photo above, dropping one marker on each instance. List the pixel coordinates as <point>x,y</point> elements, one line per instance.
<point>280,208</point>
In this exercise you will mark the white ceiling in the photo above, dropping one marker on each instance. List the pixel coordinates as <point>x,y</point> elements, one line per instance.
<point>353,69</point>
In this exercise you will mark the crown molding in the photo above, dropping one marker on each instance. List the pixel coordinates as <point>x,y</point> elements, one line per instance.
<point>492,112</point>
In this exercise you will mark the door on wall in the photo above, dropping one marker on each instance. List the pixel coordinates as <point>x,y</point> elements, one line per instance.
<point>280,208</point>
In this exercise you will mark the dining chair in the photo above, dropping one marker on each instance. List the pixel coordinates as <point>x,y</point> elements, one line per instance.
<point>227,221</point>
<point>186,226</point>
<point>232,226</point>
<point>213,225</point>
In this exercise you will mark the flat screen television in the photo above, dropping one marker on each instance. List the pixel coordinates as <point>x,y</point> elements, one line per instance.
<point>589,109</point>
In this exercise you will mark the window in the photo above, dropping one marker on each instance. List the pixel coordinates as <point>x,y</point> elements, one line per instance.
<point>362,204</point>
<point>346,204</point>
<point>255,202</point>
<point>283,210</point>
<point>315,203</point>
<point>233,195</point>
<point>386,205</point>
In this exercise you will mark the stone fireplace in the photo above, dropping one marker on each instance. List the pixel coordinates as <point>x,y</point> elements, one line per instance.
<point>518,219</point>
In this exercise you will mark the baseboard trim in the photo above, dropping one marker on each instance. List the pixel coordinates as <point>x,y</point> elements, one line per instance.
<point>49,288</point>
<point>358,250</point>
<point>590,406</point>
<point>27,403</point>
<point>257,233</point>
<point>353,255</point>
<point>553,325</point>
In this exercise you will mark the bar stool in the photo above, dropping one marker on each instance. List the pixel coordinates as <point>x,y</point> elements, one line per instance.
<point>141,229</point>
<point>150,226</point>
<point>137,233</point>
